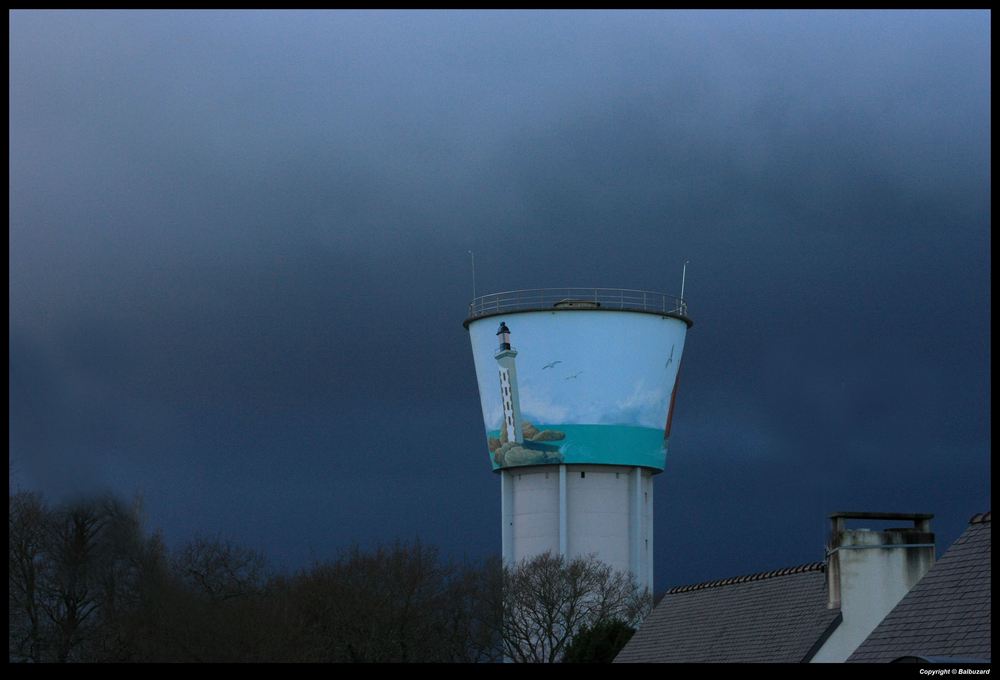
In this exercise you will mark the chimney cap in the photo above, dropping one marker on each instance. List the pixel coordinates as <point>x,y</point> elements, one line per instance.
<point>914,516</point>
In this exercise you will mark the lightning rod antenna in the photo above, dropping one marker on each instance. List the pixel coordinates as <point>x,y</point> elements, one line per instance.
<point>683,277</point>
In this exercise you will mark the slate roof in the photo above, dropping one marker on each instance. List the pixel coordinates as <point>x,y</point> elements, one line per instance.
<point>776,616</point>
<point>948,612</point>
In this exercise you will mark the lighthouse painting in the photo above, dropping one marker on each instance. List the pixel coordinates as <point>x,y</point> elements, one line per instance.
<point>505,356</point>
<point>517,443</point>
<point>576,387</point>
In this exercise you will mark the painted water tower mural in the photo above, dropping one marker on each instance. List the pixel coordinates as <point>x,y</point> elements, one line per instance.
<point>577,388</point>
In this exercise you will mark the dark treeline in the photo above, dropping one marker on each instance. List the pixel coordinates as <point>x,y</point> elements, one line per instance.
<point>88,583</point>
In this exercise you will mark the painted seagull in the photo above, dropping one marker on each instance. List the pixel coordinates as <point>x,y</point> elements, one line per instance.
<point>667,365</point>
<point>573,376</point>
<point>550,365</point>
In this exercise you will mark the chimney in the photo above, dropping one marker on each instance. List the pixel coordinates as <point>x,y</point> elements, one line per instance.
<point>868,572</point>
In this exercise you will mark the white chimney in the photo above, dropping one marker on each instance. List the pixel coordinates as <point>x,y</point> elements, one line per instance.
<point>868,572</point>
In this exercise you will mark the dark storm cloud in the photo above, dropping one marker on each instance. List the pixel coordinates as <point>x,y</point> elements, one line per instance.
<point>239,256</point>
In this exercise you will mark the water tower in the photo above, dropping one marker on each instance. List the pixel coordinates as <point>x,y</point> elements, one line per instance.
<point>577,388</point>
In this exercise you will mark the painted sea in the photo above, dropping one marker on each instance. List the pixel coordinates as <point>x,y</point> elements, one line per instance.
<point>603,445</point>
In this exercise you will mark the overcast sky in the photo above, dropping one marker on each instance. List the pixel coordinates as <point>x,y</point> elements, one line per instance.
<point>239,262</point>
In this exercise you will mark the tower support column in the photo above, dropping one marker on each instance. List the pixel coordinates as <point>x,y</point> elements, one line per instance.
<point>507,516</point>
<point>563,502</point>
<point>636,525</point>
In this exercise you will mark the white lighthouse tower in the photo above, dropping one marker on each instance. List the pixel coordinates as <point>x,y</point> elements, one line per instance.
<point>505,356</point>
<point>578,441</point>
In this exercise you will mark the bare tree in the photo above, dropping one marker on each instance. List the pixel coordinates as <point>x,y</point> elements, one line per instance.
<point>70,589</point>
<point>548,600</point>
<point>221,569</point>
<point>131,569</point>
<point>380,606</point>
<point>214,605</point>
<point>473,613</point>
<point>26,520</point>
<point>77,574</point>
<point>398,603</point>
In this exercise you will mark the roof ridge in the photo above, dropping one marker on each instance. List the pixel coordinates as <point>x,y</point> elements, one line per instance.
<point>981,518</point>
<point>812,566</point>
